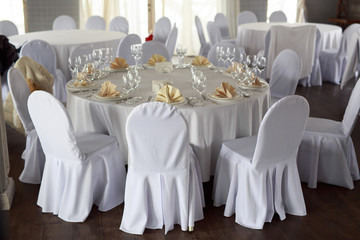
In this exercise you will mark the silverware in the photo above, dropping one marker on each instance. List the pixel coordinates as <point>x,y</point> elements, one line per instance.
<point>204,97</point>
<point>189,102</point>
<point>149,98</point>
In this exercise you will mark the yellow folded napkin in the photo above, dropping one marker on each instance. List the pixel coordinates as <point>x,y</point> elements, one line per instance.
<point>200,61</point>
<point>156,58</point>
<point>169,94</point>
<point>119,62</point>
<point>81,83</point>
<point>226,90</point>
<point>256,82</point>
<point>108,89</point>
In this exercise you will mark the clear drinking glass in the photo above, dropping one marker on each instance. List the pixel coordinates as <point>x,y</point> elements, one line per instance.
<point>128,85</point>
<point>261,64</point>
<point>181,51</point>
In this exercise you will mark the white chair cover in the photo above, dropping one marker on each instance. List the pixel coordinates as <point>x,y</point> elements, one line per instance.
<point>246,17</point>
<point>213,32</point>
<point>171,41</point>
<point>80,50</point>
<point>163,185</point>
<point>80,169</point>
<point>278,16</point>
<point>124,47</point>
<point>95,23</point>
<point>204,46</point>
<point>43,53</point>
<point>64,22</point>
<point>212,53</point>
<point>162,29</point>
<point>315,78</point>
<point>119,24</point>
<point>222,23</point>
<point>333,61</point>
<point>33,155</point>
<point>153,47</point>
<point>285,74</point>
<point>8,28</point>
<point>257,176</point>
<point>352,63</point>
<point>327,153</point>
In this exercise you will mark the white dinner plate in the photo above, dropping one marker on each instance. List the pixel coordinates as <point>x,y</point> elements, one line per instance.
<point>114,98</point>
<point>173,103</point>
<point>248,86</point>
<point>215,98</point>
<point>71,87</point>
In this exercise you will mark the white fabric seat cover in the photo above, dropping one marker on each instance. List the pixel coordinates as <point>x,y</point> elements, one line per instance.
<point>171,42</point>
<point>257,176</point>
<point>163,185</point>
<point>124,47</point>
<point>221,22</point>
<point>80,169</point>
<point>285,74</point>
<point>8,28</point>
<point>204,46</point>
<point>95,23</point>
<point>162,29</point>
<point>213,32</point>
<point>43,53</point>
<point>352,63</point>
<point>246,17</point>
<point>327,153</point>
<point>278,16</point>
<point>153,47</point>
<point>64,22</point>
<point>119,24</point>
<point>315,78</point>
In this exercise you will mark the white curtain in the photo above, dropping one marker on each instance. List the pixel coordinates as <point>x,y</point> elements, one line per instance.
<point>301,11</point>
<point>13,10</point>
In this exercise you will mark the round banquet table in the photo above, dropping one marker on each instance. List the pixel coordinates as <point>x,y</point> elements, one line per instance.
<point>64,41</point>
<point>209,125</point>
<point>251,36</point>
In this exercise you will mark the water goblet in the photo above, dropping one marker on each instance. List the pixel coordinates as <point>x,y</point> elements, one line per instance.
<point>128,85</point>
<point>181,51</point>
<point>133,74</point>
<point>261,64</point>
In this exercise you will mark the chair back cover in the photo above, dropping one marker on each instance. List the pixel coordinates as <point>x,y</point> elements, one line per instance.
<point>352,110</point>
<point>95,23</point>
<point>281,131</point>
<point>162,29</point>
<point>347,38</point>
<point>124,47</point>
<point>212,52</point>
<point>119,24</point>
<point>153,47</point>
<point>222,23</point>
<point>352,61</point>
<point>8,28</point>
<point>278,16</point>
<point>64,22</point>
<point>285,74</point>
<point>204,46</point>
<point>83,49</point>
<point>214,33</point>
<point>51,119</point>
<point>246,17</point>
<point>171,42</point>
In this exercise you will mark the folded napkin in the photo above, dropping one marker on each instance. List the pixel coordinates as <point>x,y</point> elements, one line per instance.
<point>119,62</point>
<point>169,94</point>
<point>81,83</point>
<point>234,67</point>
<point>108,89</point>
<point>200,61</point>
<point>155,59</point>
<point>256,82</point>
<point>226,90</point>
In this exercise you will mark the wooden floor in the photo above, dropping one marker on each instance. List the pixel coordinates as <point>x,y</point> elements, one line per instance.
<point>333,212</point>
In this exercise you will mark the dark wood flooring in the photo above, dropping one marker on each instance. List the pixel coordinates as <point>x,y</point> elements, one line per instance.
<point>333,212</point>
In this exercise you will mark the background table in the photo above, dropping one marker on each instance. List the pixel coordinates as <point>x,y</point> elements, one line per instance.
<point>64,41</point>
<point>209,126</point>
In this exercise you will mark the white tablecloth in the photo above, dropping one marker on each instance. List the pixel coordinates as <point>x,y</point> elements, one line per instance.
<point>64,41</point>
<point>251,36</point>
<point>209,125</point>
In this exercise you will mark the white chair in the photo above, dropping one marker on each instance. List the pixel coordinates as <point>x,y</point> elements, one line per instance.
<point>64,22</point>
<point>246,17</point>
<point>80,169</point>
<point>33,155</point>
<point>163,185</point>
<point>8,28</point>
<point>162,29</point>
<point>80,50</point>
<point>43,53</point>
<point>212,53</point>
<point>119,24</point>
<point>285,74</point>
<point>153,47</point>
<point>315,78</point>
<point>213,32</point>
<point>204,46</point>
<point>124,47</point>
<point>257,176</point>
<point>327,153</point>
<point>333,61</point>
<point>352,66</point>
<point>171,41</point>
<point>278,16</point>
<point>95,23</point>
<point>222,23</point>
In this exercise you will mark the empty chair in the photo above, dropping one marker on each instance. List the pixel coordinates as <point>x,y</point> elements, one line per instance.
<point>80,50</point>
<point>43,53</point>
<point>352,66</point>
<point>246,17</point>
<point>212,57</point>
<point>333,61</point>
<point>152,47</point>
<point>315,78</point>
<point>222,23</point>
<point>204,46</point>
<point>64,22</point>
<point>285,74</point>
<point>95,23</point>
<point>80,169</point>
<point>214,33</point>
<point>171,41</point>
<point>277,16</point>
<point>8,28</point>
<point>257,176</point>
<point>124,47</point>
<point>327,153</point>
<point>162,29</point>
<point>163,185</point>
<point>119,24</point>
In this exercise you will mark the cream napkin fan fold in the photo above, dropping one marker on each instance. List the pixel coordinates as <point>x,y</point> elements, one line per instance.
<point>169,94</point>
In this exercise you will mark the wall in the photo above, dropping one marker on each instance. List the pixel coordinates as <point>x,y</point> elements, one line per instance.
<point>320,10</point>
<point>259,7</point>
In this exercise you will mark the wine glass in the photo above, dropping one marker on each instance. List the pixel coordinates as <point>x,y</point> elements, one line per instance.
<point>218,57</point>
<point>261,64</point>
<point>136,53</point>
<point>128,85</point>
<point>133,74</point>
<point>89,71</point>
<point>200,87</point>
<point>181,51</point>
<point>230,54</point>
<point>223,58</point>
